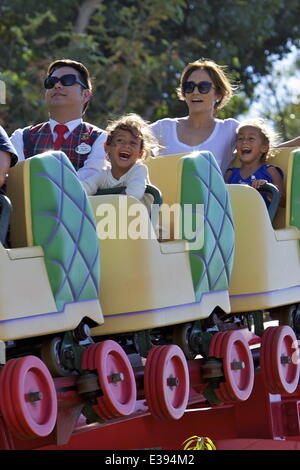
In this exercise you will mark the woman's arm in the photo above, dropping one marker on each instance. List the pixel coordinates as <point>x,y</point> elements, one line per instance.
<point>290,143</point>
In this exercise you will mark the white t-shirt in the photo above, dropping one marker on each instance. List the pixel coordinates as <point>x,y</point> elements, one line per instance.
<point>221,141</point>
<point>135,181</point>
<point>92,164</point>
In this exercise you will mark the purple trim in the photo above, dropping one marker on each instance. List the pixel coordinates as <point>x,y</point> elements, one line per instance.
<point>62,312</point>
<point>171,307</point>
<point>266,292</point>
<point>139,312</point>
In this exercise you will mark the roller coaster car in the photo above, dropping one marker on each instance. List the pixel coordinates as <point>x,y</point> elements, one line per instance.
<point>147,286</point>
<point>167,302</point>
<point>48,291</point>
<point>165,298</point>
<point>53,265</point>
<point>160,297</point>
<point>265,282</point>
<point>266,273</point>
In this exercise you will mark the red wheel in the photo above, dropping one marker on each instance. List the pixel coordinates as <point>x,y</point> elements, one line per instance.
<point>238,367</point>
<point>28,398</point>
<point>215,351</point>
<point>279,359</point>
<point>265,360</point>
<point>222,393</point>
<point>215,344</point>
<point>150,381</point>
<point>116,379</point>
<point>88,357</point>
<point>166,382</point>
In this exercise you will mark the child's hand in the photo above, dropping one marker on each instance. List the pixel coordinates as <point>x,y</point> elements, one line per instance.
<point>258,183</point>
<point>4,166</point>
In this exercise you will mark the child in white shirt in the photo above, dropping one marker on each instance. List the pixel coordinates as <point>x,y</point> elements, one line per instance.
<point>129,140</point>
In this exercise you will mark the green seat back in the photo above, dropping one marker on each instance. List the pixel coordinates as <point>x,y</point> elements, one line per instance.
<point>202,183</point>
<point>63,224</point>
<point>294,214</point>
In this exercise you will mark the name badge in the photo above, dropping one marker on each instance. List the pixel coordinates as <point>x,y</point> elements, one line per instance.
<point>83,148</point>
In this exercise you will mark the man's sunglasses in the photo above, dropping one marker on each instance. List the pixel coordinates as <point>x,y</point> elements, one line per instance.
<point>203,87</point>
<point>66,80</point>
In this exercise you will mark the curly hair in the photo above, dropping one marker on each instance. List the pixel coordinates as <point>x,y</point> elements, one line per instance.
<point>138,127</point>
<point>269,137</point>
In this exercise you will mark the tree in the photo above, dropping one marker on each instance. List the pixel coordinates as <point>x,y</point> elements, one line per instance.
<point>279,97</point>
<point>136,49</point>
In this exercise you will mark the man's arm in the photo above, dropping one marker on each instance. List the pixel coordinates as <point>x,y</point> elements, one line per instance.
<point>17,140</point>
<point>5,162</point>
<point>96,159</point>
<point>8,155</point>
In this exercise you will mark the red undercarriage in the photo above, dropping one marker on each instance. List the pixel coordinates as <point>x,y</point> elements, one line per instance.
<point>263,421</point>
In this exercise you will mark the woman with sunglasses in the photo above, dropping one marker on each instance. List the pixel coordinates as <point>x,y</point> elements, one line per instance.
<point>206,89</point>
<point>68,90</point>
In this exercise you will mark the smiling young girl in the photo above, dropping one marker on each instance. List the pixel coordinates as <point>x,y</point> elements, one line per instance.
<point>254,145</point>
<point>129,140</point>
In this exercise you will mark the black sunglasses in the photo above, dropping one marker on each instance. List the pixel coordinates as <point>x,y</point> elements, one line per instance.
<point>66,80</point>
<point>203,87</point>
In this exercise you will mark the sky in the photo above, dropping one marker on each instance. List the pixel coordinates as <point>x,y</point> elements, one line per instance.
<point>287,88</point>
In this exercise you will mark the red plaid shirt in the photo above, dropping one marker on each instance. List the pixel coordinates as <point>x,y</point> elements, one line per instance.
<point>38,139</point>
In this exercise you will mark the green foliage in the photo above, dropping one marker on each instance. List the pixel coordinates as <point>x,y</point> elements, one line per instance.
<point>136,50</point>
<point>280,98</point>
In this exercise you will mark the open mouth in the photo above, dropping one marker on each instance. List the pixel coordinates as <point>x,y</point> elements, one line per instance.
<point>124,156</point>
<point>246,151</point>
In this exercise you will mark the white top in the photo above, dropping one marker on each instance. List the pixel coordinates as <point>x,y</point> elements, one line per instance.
<point>94,162</point>
<point>221,141</point>
<point>135,181</point>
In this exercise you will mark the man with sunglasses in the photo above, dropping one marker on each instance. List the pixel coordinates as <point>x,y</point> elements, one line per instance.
<point>68,90</point>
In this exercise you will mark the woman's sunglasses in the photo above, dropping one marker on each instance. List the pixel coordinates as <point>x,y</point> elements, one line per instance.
<point>203,87</point>
<point>66,80</point>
